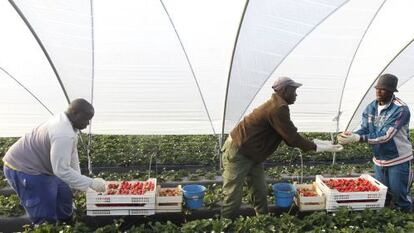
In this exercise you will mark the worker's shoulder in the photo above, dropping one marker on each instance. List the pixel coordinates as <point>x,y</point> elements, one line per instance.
<point>273,106</point>
<point>277,102</point>
<point>397,101</point>
<point>60,126</point>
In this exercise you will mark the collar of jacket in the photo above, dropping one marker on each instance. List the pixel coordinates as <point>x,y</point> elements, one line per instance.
<point>277,98</point>
<point>387,105</point>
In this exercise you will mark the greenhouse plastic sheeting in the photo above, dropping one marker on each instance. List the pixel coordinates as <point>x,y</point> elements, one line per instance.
<point>198,66</point>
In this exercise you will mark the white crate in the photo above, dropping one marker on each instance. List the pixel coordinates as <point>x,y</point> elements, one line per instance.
<point>93,197</point>
<point>119,212</point>
<point>169,199</point>
<point>168,207</point>
<point>354,200</point>
<point>309,203</point>
<point>121,206</point>
<point>168,203</point>
<point>356,205</point>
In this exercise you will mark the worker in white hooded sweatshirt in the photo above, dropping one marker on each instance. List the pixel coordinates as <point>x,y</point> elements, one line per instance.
<point>43,165</point>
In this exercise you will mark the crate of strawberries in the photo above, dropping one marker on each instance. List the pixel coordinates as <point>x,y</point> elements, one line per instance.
<point>357,193</point>
<point>169,199</point>
<point>123,195</point>
<point>308,197</point>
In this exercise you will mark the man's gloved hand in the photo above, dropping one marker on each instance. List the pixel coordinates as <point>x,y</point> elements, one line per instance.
<point>327,146</point>
<point>98,184</point>
<point>347,138</point>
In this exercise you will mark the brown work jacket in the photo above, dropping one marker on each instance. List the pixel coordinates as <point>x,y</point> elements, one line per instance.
<point>259,134</point>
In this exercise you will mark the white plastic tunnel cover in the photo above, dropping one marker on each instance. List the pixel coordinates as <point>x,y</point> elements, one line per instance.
<point>198,66</point>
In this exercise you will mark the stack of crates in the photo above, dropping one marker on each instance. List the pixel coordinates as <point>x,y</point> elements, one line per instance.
<point>103,204</point>
<point>169,203</point>
<point>353,200</point>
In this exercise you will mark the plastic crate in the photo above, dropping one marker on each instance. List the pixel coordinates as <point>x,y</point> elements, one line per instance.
<point>121,206</point>
<point>98,204</point>
<point>309,203</point>
<point>168,207</point>
<point>169,204</point>
<point>353,200</point>
<point>119,212</point>
<point>93,197</point>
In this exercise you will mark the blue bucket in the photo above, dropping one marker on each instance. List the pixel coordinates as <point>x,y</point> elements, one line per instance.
<point>284,193</point>
<point>193,195</point>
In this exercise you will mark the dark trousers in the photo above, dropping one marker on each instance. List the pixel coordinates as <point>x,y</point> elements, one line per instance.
<point>239,170</point>
<point>45,198</point>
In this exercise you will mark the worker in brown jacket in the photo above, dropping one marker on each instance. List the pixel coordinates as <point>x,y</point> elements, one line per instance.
<point>254,139</point>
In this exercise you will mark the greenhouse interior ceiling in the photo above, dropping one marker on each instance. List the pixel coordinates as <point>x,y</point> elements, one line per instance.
<point>199,66</point>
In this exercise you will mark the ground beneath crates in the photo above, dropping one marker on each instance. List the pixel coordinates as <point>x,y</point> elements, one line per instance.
<point>15,224</point>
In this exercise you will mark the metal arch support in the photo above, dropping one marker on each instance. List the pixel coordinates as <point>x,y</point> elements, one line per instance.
<point>31,93</point>
<point>190,65</point>
<point>290,51</point>
<point>352,62</point>
<point>39,41</point>
<point>389,63</point>
<point>337,118</point>
<point>88,146</point>
<point>221,139</point>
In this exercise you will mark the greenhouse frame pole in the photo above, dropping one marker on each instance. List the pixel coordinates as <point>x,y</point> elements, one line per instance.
<point>288,53</point>
<point>338,116</point>
<point>375,80</point>
<point>52,65</point>
<point>88,147</point>
<point>190,65</point>
<point>352,62</point>
<point>31,93</point>
<point>221,138</point>
<point>277,65</point>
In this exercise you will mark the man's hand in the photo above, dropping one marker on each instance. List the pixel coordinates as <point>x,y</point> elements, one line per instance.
<point>347,138</point>
<point>327,146</point>
<point>98,184</point>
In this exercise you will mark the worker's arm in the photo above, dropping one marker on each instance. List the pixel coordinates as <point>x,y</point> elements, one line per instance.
<point>61,159</point>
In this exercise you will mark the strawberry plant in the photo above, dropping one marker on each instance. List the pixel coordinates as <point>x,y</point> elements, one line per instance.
<point>115,227</point>
<point>3,181</point>
<point>207,225</point>
<point>342,221</point>
<point>311,170</point>
<point>10,206</point>
<point>59,228</point>
<point>213,196</point>
<point>130,175</point>
<point>171,175</point>
<point>136,150</point>
<point>80,203</point>
<point>5,144</point>
<point>127,150</point>
<point>155,227</point>
<point>261,223</point>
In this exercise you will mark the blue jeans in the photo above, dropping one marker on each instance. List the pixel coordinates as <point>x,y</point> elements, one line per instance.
<point>45,198</point>
<point>398,180</point>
